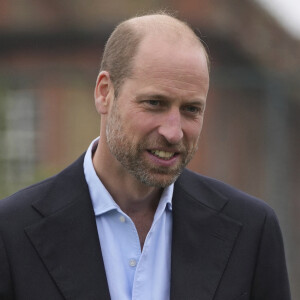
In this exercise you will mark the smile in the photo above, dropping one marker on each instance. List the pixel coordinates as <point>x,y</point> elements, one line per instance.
<point>162,154</point>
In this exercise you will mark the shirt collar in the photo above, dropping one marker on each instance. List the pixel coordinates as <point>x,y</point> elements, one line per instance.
<point>102,201</point>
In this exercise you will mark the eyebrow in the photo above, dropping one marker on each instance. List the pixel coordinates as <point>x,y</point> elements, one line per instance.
<point>166,98</point>
<point>153,96</point>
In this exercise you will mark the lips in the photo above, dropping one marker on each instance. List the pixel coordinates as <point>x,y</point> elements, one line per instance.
<point>163,154</point>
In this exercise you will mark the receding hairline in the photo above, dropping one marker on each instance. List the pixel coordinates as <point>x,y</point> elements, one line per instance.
<point>162,23</point>
<point>167,25</point>
<point>153,20</point>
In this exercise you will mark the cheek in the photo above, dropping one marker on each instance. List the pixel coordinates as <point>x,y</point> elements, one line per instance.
<point>192,131</point>
<point>141,124</point>
<point>136,129</point>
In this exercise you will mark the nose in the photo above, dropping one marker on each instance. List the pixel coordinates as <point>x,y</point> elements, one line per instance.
<point>171,127</point>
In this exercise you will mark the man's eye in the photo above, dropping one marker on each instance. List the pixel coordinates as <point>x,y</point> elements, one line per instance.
<point>153,102</point>
<point>192,109</point>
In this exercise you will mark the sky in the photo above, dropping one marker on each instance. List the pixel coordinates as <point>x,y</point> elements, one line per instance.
<point>287,12</point>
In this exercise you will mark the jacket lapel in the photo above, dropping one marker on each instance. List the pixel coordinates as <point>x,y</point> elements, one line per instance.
<point>202,239</point>
<point>66,238</point>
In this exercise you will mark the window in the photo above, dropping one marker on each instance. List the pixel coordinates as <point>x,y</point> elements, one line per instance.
<point>18,140</point>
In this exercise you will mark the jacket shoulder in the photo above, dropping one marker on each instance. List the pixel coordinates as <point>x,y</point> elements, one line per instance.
<point>25,196</point>
<point>207,189</point>
<point>17,204</point>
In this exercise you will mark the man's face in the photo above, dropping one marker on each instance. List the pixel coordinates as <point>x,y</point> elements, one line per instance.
<point>154,125</point>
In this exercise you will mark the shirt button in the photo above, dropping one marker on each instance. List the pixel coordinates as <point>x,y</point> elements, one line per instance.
<point>122,219</point>
<point>132,262</point>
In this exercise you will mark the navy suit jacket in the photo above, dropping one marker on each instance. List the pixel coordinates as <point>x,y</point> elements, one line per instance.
<point>226,245</point>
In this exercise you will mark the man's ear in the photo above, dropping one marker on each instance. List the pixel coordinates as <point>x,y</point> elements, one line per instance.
<point>104,92</point>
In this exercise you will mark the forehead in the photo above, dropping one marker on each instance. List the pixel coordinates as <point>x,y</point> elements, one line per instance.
<point>179,64</point>
<point>171,54</point>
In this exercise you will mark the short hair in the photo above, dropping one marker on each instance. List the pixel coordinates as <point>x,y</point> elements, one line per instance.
<point>119,51</point>
<point>122,45</point>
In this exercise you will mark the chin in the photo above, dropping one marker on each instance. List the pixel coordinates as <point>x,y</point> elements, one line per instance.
<point>158,180</point>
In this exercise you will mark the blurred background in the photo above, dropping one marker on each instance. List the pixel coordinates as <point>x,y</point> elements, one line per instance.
<point>50,53</point>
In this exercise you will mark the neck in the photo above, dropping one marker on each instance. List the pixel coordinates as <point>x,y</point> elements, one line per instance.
<point>133,197</point>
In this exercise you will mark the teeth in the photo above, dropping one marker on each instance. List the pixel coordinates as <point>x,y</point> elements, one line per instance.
<point>162,154</point>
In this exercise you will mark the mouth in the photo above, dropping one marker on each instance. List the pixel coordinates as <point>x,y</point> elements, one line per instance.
<point>165,155</point>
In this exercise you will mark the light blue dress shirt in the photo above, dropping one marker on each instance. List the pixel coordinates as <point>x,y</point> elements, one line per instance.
<point>132,274</point>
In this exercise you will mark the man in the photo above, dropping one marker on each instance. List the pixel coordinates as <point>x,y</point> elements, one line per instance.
<point>126,221</point>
